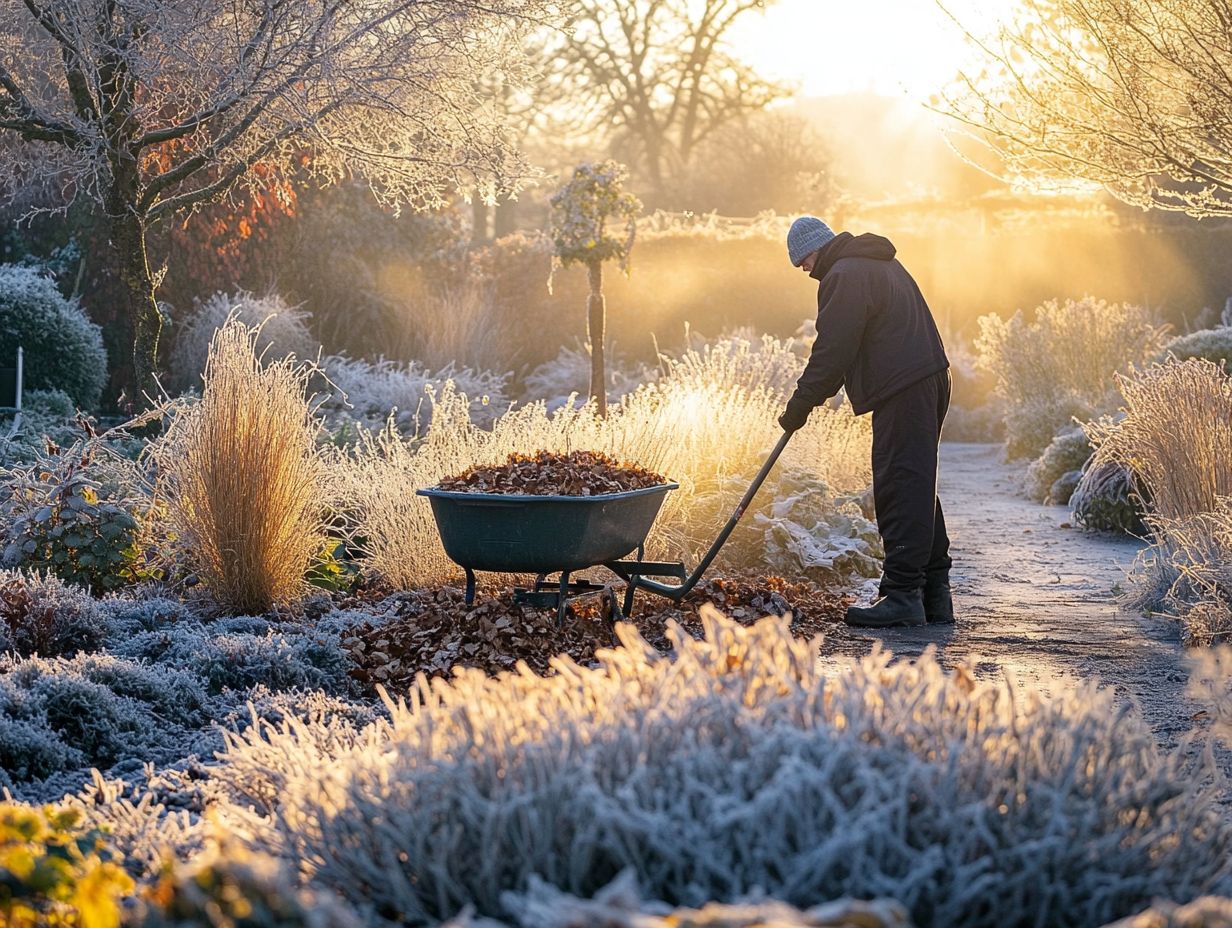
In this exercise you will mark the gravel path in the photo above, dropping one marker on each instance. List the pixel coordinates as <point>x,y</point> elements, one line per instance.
<point>1036,598</point>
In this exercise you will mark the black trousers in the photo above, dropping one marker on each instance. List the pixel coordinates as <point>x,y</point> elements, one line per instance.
<point>906,433</point>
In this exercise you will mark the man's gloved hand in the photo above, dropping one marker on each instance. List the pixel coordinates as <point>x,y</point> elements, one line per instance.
<point>796,414</point>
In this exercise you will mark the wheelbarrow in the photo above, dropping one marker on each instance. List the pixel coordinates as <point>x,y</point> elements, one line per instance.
<point>543,535</point>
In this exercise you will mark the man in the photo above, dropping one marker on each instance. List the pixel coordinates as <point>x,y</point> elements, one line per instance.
<point>876,336</point>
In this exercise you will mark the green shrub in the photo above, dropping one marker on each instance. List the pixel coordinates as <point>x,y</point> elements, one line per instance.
<point>1067,452</point>
<point>55,872</point>
<point>63,349</point>
<point>1061,364</point>
<point>1212,344</point>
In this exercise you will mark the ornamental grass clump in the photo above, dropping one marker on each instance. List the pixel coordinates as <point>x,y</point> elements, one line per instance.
<point>243,480</point>
<point>1174,438</point>
<point>734,768</point>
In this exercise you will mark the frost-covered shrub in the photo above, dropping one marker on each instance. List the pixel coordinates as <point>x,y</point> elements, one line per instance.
<point>1068,451</point>
<point>96,710</point>
<point>63,350</point>
<point>283,332</point>
<point>372,392</point>
<point>743,360</point>
<point>64,515</point>
<point>1108,499</point>
<point>568,375</point>
<point>1061,364</point>
<point>279,661</point>
<point>126,617</point>
<point>55,871</point>
<point>1212,344</point>
<point>221,659</point>
<point>1189,574</point>
<point>42,615</point>
<point>733,767</point>
<point>1175,434</point>
<point>46,415</point>
<point>797,527</point>
<point>28,751</point>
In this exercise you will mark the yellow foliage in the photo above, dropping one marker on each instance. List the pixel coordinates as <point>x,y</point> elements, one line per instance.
<point>54,872</point>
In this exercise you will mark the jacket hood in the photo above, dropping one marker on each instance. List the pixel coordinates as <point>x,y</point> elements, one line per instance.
<point>846,245</point>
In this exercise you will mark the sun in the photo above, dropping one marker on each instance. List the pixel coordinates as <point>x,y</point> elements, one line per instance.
<point>906,48</point>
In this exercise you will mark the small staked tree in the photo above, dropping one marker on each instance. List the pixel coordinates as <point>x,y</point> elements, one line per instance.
<point>149,108</point>
<point>581,211</point>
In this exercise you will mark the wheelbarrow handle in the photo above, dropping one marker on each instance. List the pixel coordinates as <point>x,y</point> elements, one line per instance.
<point>679,592</point>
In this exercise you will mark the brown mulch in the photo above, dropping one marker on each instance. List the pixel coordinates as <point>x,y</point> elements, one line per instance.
<point>432,631</point>
<point>578,473</point>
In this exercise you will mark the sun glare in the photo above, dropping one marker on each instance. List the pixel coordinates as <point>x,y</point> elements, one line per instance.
<point>893,47</point>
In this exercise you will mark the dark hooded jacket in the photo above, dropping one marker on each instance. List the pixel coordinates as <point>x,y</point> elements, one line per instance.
<point>875,333</point>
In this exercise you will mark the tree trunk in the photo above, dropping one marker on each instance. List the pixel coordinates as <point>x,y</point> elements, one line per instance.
<point>128,236</point>
<point>595,306</point>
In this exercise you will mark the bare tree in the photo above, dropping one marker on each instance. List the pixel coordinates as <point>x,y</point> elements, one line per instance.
<point>151,107</point>
<point>1135,95</point>
<point>659,74</point>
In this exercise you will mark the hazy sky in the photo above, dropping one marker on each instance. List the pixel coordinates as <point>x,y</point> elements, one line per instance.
<point>898,47</point>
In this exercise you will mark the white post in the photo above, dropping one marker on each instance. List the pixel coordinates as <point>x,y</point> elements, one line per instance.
<point>19,372</point>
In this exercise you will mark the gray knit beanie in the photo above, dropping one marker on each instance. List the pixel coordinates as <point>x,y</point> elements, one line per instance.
<point>806,235</point>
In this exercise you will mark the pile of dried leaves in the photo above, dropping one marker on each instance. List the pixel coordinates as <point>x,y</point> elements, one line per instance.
<point>433,631</point>
<point>578,473</point>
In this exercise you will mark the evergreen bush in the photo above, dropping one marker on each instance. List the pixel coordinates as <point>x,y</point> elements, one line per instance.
<point>63,350</point>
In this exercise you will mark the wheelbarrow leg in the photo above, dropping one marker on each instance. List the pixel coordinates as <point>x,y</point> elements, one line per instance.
<point>470,586</point>
<point>631,584</point>
<point>563,604</point>
<point>630,589</point>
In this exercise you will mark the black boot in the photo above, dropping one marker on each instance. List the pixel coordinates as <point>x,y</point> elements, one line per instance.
<point>896,607</point>
<point>938,603</point>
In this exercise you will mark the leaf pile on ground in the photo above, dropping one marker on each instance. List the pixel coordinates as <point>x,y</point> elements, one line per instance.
<point>432,631</point>
<point>578,473</point>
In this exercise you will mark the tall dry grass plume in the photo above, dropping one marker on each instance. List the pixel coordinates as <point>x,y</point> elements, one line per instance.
<point>1176,438</point>
<point>243,479</point>
<point>1176,435</point>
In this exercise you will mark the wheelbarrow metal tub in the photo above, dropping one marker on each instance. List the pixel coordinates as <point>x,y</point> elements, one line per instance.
<point>520,533</point>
